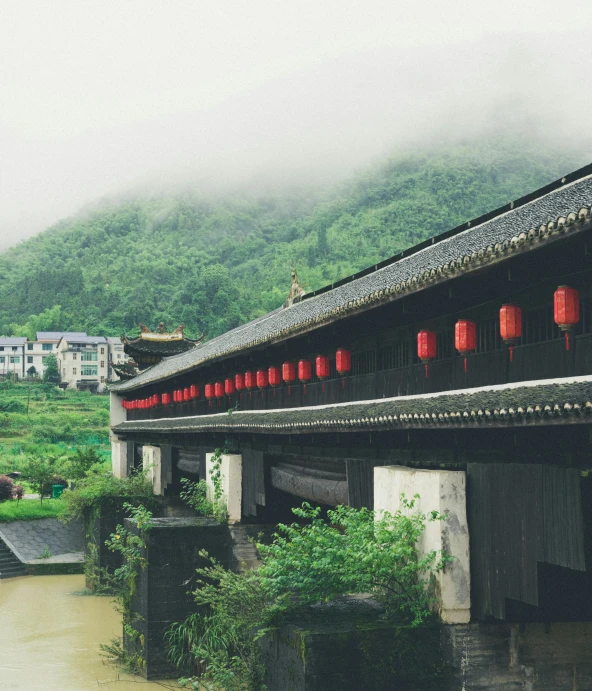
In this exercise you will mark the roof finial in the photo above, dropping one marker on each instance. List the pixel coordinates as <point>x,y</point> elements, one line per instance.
<point>296,291</point>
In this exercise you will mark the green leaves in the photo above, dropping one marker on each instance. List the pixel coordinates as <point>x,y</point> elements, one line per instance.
<point>354,551</point>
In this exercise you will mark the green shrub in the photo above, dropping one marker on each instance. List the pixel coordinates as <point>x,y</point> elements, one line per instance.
<point>96,489</point>
<point>351,551</point>
<point>6,488</point>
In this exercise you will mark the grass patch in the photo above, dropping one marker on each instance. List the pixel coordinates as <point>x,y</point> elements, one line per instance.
<point>29,509</point>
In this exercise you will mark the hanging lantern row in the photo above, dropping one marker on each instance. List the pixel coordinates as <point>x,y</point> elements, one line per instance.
<point>566,314</point>
<point>261,379</point>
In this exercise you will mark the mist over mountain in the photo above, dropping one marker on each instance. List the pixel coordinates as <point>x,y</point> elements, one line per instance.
<point>215,259</point>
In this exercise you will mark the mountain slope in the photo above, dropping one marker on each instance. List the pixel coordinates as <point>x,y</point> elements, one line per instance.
<point>216,262</point>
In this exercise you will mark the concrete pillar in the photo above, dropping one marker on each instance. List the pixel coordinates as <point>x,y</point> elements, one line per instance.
<point>443,491</point>
<point>231,469</point>
<point>119,459</point>
<point>151,461</point>
<point>117,413</point>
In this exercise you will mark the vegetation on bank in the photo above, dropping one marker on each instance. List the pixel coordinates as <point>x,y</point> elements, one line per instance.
<point>215,262</point>
<point>41,421</point>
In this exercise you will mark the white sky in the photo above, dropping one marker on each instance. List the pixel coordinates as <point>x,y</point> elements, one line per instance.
<point>98,97</point>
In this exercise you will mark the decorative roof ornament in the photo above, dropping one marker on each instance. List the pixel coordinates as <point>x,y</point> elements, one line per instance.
<point>296,291</point>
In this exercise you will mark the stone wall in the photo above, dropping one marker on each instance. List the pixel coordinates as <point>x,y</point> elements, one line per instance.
<point>326,652</point>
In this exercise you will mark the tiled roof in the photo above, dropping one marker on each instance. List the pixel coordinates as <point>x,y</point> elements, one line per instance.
<point>540,402</point>
<point>56,335</point>
<point>559,209</point>
<point>13,341</point>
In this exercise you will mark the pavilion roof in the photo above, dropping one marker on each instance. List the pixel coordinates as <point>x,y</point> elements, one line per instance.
<point>554,211</point>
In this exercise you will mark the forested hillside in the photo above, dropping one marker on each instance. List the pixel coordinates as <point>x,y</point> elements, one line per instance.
<point>214,262</point>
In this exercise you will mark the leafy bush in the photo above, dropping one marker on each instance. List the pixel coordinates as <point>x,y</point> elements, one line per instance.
<point>12,405</point>
<point>6,488</point>
<point>94,489</point>
<point>352,551</point>
<point>83,460</point>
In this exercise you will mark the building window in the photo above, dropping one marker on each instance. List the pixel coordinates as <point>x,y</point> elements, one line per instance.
<point>102,363</point>
<point>29,346</point>
<point>2,359</point>
<point>102,380</point>
<point>15,360</point>
<point>74,356</point>
<point>47,346</point>
<point>29,359</point>
<point>64,371</point>
<point>89,370</point>
<point>14,349</point>
<point>1,347</point>
<point>89,356</point>
<point>102,351</point>
<point>74,371</point>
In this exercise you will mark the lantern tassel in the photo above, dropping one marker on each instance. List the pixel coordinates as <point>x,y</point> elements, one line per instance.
<point>465,364</point>
<point>274,392</point>
<point>288,389</point>
<point>323,387</point>
<point>567,340</point>
<point>511,353</point>
<point>305,389</point>
<point>426,370</point>
<point>343,383</point>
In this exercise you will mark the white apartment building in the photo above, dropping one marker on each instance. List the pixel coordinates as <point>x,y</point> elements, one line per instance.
<point>83,361</point>
<point>46,344</point>
<point>12,357</point>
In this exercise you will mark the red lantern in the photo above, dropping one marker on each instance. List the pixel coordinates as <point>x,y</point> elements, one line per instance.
<point>465,337</point>
<point>288,372</point>
<point>274,375</point>
<point>343,361</point>
<point>566,312</point>
<point>186,394</point>
<point>304,371</point>
<point>134,404</point>
<point>262,379</point>
<point>209,391</point>
<point>510,326</point>
<point>426,347</point>
<point>510,323</point>
<point>193,391</point>
<point>323,367</point>
<point>229,386</point>
<point>250,380</point>
<point>219,389</point>
<point>239,382</point>
<point>166,399</point>
<point>176,395</point>
<point>156,398</point>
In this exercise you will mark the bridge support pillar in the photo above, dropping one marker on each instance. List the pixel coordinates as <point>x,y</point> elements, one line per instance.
<point>443,491</point>
<point>231,478</point>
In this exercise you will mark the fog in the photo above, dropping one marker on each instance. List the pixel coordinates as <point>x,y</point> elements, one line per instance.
<point>97,98</point>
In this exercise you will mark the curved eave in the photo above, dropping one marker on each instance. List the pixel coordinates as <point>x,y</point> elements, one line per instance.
<point>546,402</point>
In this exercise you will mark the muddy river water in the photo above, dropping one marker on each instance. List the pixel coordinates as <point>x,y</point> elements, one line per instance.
<point>50,637</point>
